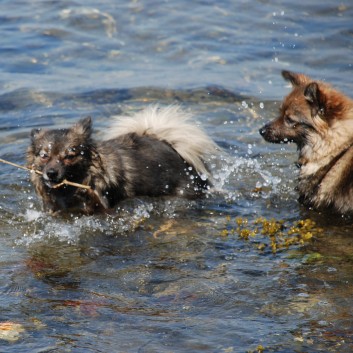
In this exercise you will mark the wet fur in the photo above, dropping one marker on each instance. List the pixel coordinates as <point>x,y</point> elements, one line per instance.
<point>319,119</point>
<point>157,152</point>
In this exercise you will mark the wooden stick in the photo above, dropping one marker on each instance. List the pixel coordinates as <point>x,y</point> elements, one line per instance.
<point>64,182</point>
<point>20,166</point>
<point>67,182</point>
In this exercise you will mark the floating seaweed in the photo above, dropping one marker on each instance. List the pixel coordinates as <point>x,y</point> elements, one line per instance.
<point>271,233</point>
<point>259,349</point>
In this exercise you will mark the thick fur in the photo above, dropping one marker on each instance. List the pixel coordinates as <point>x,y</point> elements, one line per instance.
<point>319,119</point>
<point>156,152</point>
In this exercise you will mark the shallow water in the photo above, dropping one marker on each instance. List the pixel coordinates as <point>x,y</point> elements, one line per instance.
<point>167,275</point>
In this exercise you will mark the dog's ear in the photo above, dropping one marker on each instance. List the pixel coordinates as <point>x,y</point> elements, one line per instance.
<point>35,133</point>
<point>83,127</point>
<point>294,78</point>
<point>315,98</point>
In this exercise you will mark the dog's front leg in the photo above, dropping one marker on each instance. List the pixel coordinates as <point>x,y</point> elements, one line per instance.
<point>97,202</point>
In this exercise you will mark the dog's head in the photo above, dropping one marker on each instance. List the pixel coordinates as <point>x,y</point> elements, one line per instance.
<point>61,153</point>
<point>310,109</point>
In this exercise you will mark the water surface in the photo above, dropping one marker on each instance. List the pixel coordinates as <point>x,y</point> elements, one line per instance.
<point>169,275</point>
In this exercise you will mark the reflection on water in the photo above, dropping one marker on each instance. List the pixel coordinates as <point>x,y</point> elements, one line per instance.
<point>247,269</point>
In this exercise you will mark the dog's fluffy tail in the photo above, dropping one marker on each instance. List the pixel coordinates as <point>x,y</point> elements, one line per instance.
<point>170,124</point>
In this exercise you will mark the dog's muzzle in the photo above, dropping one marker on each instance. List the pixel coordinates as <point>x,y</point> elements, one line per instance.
<point>265,132</point>
<point>52,177</point>
<point>52,174</point>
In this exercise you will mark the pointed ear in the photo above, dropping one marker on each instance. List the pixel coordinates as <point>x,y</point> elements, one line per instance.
<point>315,98</point>
<point>35,133</point>
<point>83,127</point>
<point>294,78</point>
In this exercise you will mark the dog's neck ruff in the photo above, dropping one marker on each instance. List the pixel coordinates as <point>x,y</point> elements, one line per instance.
<point>321,172</point>
<point>332,161</point>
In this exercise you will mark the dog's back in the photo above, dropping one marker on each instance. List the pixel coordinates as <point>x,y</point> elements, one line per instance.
<point>172,125</point>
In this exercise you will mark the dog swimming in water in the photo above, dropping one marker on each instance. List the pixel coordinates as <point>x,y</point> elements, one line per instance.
<point>156,152</point>
<point>319,120</point>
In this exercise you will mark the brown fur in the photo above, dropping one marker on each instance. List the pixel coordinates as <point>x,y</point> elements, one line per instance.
<point>137,163</point>
<point>319,119</point>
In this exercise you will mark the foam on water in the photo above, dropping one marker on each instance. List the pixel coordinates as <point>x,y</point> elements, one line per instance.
<point>37,226</point>
<point>32,215</point>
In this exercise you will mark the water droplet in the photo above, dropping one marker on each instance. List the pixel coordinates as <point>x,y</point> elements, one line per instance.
<point>244,104</point>
<point>203,177</point>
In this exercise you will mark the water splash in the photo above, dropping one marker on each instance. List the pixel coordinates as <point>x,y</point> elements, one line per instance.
<point>37,227</point>
<point>234,172</point>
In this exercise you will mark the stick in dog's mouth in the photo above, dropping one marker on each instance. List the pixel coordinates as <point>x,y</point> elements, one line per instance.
<point>67,182</point>
<point>56,186</point>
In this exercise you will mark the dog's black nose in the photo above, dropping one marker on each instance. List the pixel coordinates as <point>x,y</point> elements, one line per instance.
<point>262,131</point>
<point>52,174</point>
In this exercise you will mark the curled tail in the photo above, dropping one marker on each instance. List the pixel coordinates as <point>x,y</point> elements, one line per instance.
<point>173,125</point>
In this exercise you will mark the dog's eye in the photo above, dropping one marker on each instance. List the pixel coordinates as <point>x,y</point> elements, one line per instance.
<point>70,157</point>
<point>290,122</point>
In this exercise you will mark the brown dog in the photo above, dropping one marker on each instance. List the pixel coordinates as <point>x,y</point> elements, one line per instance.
<point>157,152</point>
<point>319,119</point>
